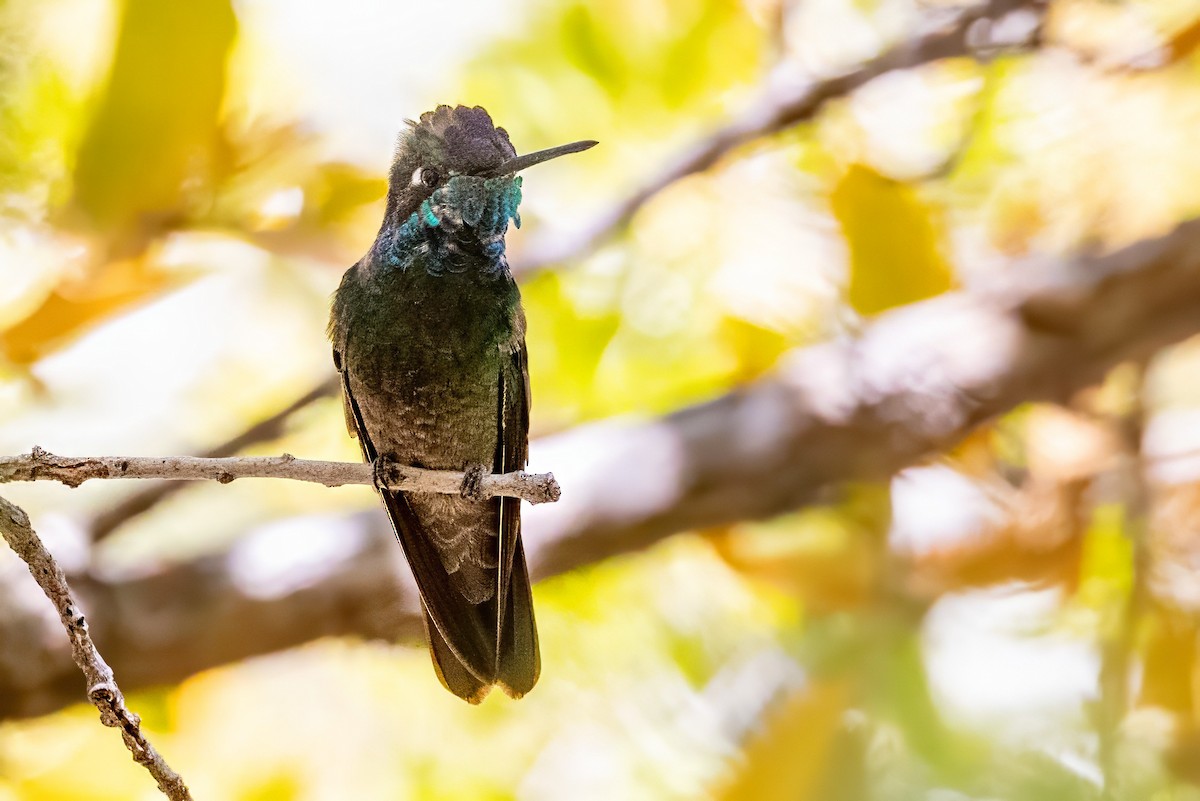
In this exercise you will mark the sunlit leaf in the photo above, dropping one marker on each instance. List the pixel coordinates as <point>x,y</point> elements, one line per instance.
<point>157,117</point>
<point>77,305</point>
<point>829,557</point>
<point>638,63</point>
<point>1183,757</point>
<point>1106,568</point>
<point>788,759</point>
<point>755,347</point>
<point>278,787</point>
<point>973,169</point>
<point>339,190</point>
<point>813,556</point>
<point>1039,544</point>
<point>1185,41</point>
<point>37,115</point>
<point>566,344</point>
<point>1169,661</point>
<point>894,241</point>
<point>587,46</point>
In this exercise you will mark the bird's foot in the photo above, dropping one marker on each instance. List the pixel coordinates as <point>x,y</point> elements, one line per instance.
<point>381,474</point>
<point>472,484</point>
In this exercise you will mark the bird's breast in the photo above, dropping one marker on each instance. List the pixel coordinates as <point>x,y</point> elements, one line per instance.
<point>424,369</point>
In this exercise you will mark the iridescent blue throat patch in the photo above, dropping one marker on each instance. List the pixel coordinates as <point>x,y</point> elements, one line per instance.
<point>485,205</point>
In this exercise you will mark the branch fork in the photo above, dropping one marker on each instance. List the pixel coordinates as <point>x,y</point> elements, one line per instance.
<point>102,689</point>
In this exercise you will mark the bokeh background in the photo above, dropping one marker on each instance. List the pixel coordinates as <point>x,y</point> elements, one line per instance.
<point>182,185</point>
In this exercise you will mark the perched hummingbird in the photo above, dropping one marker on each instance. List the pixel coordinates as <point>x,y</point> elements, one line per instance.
<point>429,338</point>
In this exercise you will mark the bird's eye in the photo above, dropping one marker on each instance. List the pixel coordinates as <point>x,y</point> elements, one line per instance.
<point>430,177</point>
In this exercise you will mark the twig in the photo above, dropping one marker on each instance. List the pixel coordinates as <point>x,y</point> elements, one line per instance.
<point>789,99</point>
<point>102,689</point>
<point>73,471</point>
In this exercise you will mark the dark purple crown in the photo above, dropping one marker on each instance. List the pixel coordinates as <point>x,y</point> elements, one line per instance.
<point>455,138</point>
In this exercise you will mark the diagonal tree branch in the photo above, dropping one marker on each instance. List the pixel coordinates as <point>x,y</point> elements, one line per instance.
<point>73,471</point>
<point>791,96</point>
<point>915,382</point>
<point>102,689</point>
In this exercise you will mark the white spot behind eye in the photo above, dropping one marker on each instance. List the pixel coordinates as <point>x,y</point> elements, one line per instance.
<point>416,179</point>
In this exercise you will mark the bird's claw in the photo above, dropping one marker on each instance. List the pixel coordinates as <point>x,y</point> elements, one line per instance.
<point>472,483</point>
<point>380,469</point>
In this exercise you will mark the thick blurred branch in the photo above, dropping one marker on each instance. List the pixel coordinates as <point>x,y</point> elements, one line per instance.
<point>73,471</point>
<point>102,689</point>
<point>792,96</point>
<point>914,383</point>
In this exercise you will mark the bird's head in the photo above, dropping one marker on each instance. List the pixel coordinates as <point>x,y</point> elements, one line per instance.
<point>454,170</point>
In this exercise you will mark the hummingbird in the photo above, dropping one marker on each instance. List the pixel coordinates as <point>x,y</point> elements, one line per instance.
<point>428,337</point>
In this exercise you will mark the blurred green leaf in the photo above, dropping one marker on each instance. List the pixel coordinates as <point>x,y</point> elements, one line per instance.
<point>38,116</point>
<point>1035,776</point>
<point>566,344</point>
<point>587,46</point>
<point>631,66</point>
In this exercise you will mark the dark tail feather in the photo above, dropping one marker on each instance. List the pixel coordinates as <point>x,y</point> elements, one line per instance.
<point>470,627</point>
<point>519,660</point>
<point>453,674</point>
<point>468,653</point>
<point>473,628</point>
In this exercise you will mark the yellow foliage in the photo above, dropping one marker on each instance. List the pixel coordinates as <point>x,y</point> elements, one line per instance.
<point>1106,566</point>
<point>788,759</point>
<point>828,557</point>
<point>1169,661</point>
<point>755,347</point>
<point>78,304</point>
<point>158,113</point>
<point>829,568</point>
<point>1186,41</point>
<point>894,242</point>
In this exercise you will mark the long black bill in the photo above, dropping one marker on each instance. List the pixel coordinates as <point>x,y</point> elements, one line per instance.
<point>518,163</point>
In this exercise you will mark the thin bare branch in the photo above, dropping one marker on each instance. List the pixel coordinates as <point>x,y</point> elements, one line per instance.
<point>266,430</point>
<point>102,689</point>
<point>74,470</point>
<point>791,96</point>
